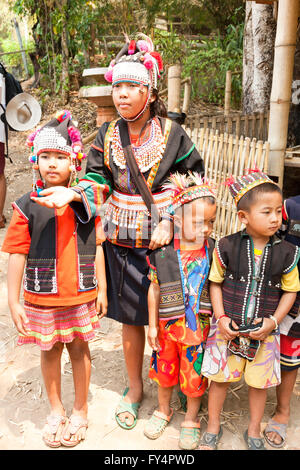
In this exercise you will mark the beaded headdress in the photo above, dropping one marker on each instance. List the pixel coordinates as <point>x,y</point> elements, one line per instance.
<point>186,188</point>
<point>59,135</point>
<point>240,185</point>
<point>137,62</point>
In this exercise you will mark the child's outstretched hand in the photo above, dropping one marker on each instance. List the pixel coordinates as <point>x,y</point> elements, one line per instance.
<point>20,319</point>
<point>153,338</point>
<point>101,303</point>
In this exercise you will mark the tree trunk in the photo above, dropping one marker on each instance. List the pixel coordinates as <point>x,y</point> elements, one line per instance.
<point>65,79</point>
<point>294,117</point>
<point>259,38</point>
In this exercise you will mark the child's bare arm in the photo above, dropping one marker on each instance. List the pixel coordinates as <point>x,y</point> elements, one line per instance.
<point>15,271</point>
<point>285,304</point>
<point>101,303</point>
<point>216,297</point>
<point>153,306</point>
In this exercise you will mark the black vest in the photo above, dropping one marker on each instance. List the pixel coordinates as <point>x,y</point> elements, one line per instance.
<point>41,273</point>
<point>172,304</point>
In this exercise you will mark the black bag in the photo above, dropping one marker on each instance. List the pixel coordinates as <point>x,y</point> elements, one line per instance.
<point>12,88</point>
<point>12,85</point>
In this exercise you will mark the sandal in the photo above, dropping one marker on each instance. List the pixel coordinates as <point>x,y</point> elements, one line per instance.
<point>211,440</point>
<point>189,437</point>
<point>53,423</point>
<point>75,423</point>
<point>124,407</point>
<point>279,428</point>
<point>157,424</point>
<point>254,443</point>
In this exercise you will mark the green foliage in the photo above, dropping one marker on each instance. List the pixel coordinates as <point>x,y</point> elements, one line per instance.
<point>207,63</point>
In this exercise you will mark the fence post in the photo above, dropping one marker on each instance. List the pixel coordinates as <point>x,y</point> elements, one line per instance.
<point>227,93</point>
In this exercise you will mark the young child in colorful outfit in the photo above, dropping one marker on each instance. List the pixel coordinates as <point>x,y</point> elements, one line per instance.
<point>254,279</point>
<point>179,306</point>
<point>275,432</point>
<point>62,262</point>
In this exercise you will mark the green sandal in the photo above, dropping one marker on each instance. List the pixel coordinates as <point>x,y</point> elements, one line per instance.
<point>189,437</point>
<point>157,424</point>
<point>124,407</point>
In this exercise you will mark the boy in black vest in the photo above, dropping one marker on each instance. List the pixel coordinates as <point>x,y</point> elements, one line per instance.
<point>275,432</point>
<point>254,280</point>
<point>179,306</point>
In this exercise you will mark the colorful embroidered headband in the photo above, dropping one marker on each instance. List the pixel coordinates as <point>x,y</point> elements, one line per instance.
<point>59,135</point>
<point>240,185</point>
<point>137,62</point>
<point>186,188</point>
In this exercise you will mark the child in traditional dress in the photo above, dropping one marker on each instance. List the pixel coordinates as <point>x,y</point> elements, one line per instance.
<point>159,147</point>
<point>275,432</point>
<point>254,280</point>
<point>62,261</point>
<point>179,306</point>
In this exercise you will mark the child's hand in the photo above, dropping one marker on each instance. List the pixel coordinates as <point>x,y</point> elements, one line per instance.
<point>225,329</point>
<point>153,338</point>
<point>20,319</point>
<point>162,234</point>
<point>263,332</point>
<point>101,303</point>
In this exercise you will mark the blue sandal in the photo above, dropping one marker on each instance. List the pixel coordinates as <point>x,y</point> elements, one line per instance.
<point>254,443</point>
<point>124,407</point>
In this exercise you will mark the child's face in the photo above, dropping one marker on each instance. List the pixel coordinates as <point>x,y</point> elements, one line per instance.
<point>54,168</point>
<point>196,221</point>
<point>265,215</point>
<point>129,98</point>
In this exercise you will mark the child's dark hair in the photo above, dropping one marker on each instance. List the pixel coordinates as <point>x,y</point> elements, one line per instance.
<point>253,195</point>
<point>157,107</point>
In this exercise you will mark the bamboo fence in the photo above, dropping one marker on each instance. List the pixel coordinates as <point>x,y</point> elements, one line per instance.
<point>250,125</point>
<point>225,155</point>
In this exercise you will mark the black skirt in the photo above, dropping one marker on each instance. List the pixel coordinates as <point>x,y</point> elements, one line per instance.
<point>127,284</point>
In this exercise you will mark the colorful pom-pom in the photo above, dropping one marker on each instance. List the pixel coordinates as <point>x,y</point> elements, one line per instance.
<point>32,159</point>
<point>109,75</point>
<point>131,47</point>
<point>62,115</point>
<point>143,45</point>
<point>158,59</point>
<point>78,168</point>
<point>148,62</point>
<point>39,184</point>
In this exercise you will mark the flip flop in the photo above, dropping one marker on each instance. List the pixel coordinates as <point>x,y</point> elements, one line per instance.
<point>75,423</point>
<point>211,440</point>
<point>124,407</point>
<point>189,437</point>
<point>53,422</point>
<point>254,443</point>
<point>279,428</point>
<point>157,424</point>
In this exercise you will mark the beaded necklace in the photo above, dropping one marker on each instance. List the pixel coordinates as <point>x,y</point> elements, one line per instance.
<point>146,154</point>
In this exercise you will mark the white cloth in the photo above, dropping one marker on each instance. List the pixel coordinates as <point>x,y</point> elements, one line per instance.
<point>2,98</point>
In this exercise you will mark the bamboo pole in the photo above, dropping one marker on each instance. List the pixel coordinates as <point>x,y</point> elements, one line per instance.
<point>285,45</point>
<point>227,93</point>
<point>174,85</point>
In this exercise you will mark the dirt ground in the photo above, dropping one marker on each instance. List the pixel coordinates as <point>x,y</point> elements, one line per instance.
<point>23,401</point>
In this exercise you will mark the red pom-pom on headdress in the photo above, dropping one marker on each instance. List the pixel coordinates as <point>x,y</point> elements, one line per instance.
<point>158,59</point>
